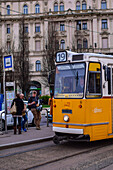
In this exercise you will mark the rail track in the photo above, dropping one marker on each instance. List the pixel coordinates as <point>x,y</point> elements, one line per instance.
<point>48,153</point>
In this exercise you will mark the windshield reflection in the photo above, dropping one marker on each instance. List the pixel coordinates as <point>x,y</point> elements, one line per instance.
<point>69,80</point>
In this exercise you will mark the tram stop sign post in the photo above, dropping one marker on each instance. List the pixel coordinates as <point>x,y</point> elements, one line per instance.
<point>8,66</point>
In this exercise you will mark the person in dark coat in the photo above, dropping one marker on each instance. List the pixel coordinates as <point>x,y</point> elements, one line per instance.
<point>19,106</point>
<point>32,104</point>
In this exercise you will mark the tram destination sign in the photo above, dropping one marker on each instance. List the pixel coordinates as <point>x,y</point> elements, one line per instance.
<point>61,56</point>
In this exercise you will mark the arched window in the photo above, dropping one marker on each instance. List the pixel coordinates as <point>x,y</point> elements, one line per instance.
<point>61,6</point>
<point>38,65</point>
<point>62,44</point>
<point>56,7</point>
<point>78,5</point>
<point>103,4</point>
<point>84,5</point>
<point>79,44</point>
<point>37,8</point>
<point>8,9</point>
<point>85,43</point>
<point>25,9</point>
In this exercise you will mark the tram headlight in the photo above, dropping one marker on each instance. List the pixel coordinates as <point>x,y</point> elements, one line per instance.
<point>66,118</point>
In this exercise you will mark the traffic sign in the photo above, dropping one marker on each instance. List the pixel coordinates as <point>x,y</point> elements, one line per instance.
<point>8,63</point>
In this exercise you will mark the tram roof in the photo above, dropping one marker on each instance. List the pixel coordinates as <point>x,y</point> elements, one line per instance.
<point>69,56</point>
<point>90,54</point>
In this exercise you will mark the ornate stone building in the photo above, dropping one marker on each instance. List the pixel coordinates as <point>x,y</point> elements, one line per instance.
<point>81,25</point>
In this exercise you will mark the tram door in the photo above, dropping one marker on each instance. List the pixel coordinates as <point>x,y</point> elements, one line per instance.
<point>111,82</point>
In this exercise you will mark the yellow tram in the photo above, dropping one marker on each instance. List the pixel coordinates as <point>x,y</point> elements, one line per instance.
<point>83,96</point>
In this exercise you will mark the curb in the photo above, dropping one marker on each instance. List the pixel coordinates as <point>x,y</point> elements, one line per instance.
<point>27,142</point>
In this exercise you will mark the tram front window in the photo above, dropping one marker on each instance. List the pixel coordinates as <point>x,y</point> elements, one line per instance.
<point>69,80</point>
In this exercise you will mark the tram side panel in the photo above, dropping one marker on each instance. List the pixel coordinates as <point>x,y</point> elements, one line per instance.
<point>98,114</point>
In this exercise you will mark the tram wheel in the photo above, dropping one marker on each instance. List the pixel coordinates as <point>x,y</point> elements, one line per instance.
<point>56,140</point>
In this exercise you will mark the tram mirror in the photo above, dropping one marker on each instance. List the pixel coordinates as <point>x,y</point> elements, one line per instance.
<point>94,67</point>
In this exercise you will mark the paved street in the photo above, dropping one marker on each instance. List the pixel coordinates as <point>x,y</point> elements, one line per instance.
<point>31,134</point>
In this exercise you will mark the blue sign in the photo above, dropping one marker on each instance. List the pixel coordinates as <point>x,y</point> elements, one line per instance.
<point>1,98</point>
<point>8,63</point>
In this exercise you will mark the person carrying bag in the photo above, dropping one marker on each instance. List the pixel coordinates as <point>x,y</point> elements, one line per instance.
<point>19,108</point>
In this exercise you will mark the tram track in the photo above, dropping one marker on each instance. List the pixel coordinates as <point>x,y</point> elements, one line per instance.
<point>68,156</point>
<point>60,152</point>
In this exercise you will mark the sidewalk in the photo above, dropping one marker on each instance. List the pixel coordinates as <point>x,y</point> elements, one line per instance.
<point>31,136</point>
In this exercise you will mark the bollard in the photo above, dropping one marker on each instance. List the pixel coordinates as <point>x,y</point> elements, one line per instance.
<point>27,120</point>
<point>47,118</point>
<point>1,121</point>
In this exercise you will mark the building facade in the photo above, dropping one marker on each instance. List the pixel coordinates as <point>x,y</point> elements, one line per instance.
<point>81,25</point>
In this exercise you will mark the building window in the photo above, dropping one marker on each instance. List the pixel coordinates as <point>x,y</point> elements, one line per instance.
<point>8,28</point>
<point>26,28</point>
<point>62,44</point>
<point>37,27</point>
<point>38,65</point>
<point>84,5</point>
<point>37,45</point>
<point>104,23</point>
<point>55,7</point>
<point>79,44</point>
<point>85,43</point>
<point>37,8</point>
<point>61,6</point>
<point>103,4</point>
<point>8,9</point>
<point>104,42</point>
<point>84,25</point>
<point>78,25</point>
<point>25,9</point>
<point>26,44</point>
<point>62,27</point>
<point>78,5</point>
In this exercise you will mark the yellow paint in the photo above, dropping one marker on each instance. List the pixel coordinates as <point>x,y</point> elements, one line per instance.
<point>94,67</point>
<point>93,111</point>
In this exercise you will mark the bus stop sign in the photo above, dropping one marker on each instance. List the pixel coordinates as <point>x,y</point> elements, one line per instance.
<point>8,63</point>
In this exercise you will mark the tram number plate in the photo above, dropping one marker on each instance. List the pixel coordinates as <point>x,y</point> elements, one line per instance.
<point>61,57</point>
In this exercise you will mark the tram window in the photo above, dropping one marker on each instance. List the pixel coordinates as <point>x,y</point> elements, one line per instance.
<point>94,81</point>
<point>109,80</point>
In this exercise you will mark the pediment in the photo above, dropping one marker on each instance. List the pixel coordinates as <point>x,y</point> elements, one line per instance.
<point>104,33</point>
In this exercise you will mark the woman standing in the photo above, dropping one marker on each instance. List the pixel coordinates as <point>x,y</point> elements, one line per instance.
<point>19,107</point>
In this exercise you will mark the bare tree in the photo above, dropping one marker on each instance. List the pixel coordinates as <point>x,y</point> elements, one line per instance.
<point>21,59</point>
<point>52,45</point>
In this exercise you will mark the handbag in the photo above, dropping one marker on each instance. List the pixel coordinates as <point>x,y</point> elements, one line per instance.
<point>13,109</point>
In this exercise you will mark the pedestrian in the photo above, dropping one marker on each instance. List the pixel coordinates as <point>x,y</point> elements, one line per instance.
<point>19,108</point>
<point>24,115</point>
<point>32,104</point>
<point>50,103</point>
